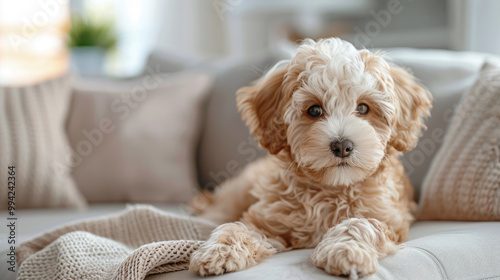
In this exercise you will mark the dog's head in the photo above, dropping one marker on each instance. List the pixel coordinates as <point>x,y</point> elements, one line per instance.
<point>335,110</point>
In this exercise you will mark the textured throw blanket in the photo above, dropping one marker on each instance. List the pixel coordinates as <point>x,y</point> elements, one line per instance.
<point>138,242</point>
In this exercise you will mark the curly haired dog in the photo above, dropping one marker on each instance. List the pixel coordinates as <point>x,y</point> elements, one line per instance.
<point>334,121</point>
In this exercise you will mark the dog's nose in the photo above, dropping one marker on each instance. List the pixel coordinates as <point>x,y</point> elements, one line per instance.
<point>341,148</point>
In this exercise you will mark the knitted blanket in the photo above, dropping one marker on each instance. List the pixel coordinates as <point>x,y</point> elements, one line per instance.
<point>131,245</point>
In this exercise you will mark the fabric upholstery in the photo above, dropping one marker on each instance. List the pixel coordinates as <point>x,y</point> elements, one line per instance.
<point>226,145</point>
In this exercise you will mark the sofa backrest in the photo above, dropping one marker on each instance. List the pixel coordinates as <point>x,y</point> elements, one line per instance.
<point>226,145</point>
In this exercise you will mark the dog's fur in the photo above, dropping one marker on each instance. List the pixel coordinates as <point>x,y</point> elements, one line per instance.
<point>352,210</point>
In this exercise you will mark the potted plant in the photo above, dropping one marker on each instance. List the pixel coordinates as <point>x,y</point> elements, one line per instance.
<point>89,41</point>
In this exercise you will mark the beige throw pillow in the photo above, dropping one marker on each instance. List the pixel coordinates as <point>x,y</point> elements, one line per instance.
<point>33,141</point>
<point>135,140</point>
<point>463,182</point>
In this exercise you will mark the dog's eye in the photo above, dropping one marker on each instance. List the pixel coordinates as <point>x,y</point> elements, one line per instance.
<point>315,111</point>
<point>362,109</point>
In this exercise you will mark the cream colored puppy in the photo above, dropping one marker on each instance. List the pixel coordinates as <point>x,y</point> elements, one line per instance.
<point>335,121</point>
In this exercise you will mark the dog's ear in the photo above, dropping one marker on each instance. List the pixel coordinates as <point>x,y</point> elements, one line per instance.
<point>413,103</point>
<point>262,107</point>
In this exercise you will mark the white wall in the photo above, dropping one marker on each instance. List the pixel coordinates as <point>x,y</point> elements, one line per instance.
<point>483,31</point>
<point>191,28</point>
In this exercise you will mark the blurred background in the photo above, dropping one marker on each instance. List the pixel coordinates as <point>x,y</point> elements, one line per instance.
<point>40,39</point>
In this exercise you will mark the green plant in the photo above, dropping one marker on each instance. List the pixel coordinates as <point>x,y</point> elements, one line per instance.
<point>90,32</point>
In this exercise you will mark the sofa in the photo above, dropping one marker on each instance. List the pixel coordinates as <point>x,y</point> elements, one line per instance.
<point>435,250</point>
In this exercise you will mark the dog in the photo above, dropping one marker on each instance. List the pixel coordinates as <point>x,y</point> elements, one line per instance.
<point>335,121</point>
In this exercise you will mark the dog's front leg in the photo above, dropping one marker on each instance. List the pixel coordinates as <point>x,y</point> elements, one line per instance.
<point>231,247</point>
<point>353,247</point>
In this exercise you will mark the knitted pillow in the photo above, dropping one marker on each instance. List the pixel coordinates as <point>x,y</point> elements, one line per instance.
<point>464,179</point>
<point>33,141</point>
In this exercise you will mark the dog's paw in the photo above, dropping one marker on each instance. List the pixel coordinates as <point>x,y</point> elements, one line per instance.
<point>217,259</point>
<point>231,247</point>
<point>348,258</point>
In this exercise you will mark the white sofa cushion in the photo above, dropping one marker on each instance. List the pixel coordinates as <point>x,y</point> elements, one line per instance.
<point>436,250</point>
